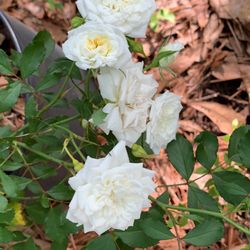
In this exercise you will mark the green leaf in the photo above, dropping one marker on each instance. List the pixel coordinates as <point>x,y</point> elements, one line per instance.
<point>44,38</point>
<point>235,138</point>
<point>206,233</point>
<point>5,66</point>
<point>156,229</point>
<point>104,242</point>
<point>232,186</point>
<point>9,96</point>
<point>165,15</point>
<point>201,200</point>
<point>5,131</point>
<point>5,235</point>
<point>28,245</point>
<point>11,166</point>
<point>180,154</point>
<point>44,201</point>
<point>206,152</point>
<point>122,246</point>
<point>37,213</point>
<point>57,227</point>
<point>32,58</point>
<point>157,213</point>
<point>84,107</point>
<point>7,217</point>
<point>35,188</point>
<point>61,192</point>
<point>34,54</point>
<point>77,21</point>
<point>98,117</point>
<point>61,67</point>
<point>16,57</point>
<point>59,245</point>
<point>135,46</point>
<point>9,186</point>
<point>244,150</point>
<point>18,236</point>
<point>21,182</point>
<point>43,171</point>
<point>49,80</point>
<point>53,228</point>
<point>30,108</point>
<point>135,237</point>
<point>3,203</point>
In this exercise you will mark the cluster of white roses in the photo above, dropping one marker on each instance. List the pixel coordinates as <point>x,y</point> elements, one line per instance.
<point>111,192</point>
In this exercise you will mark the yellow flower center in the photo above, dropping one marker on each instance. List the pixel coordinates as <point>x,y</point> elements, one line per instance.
<point>100,42</point>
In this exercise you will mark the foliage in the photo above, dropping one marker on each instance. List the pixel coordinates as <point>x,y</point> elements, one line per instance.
<point>33,155</point>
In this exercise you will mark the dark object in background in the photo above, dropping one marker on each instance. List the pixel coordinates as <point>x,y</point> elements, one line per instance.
<point>18,36</point>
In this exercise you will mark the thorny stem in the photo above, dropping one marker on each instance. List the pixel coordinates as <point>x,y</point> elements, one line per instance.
<point>164,207</point>
<point>184,183</point>
<point>175,228</point>
<point>45,156</point>
<point>75,136</point>
<point>69,119</point>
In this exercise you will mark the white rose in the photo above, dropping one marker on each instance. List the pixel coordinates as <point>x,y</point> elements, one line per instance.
<point>129,16</point>
<point>110,192</point>
<point>95,45</point>
<point>129,94</point>
<point>163,124</point>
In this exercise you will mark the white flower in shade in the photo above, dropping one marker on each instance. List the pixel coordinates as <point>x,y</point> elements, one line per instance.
<point>129,95</point>
<point>163,124</point>
<point>173,47</point>
<point>94,45</point>
<point>110,192</point>
<point>129,16</point>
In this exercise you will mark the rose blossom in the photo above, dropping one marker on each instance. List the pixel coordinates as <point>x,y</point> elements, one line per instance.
<point>95,45</point>
<point>129,95</point>
<point>129,16</point>
<point>163,124</point>
<point>110,192</point>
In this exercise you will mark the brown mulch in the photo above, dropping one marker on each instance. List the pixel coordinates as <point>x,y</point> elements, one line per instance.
<point>213,77</point>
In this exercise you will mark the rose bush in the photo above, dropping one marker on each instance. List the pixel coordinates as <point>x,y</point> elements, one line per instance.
<point>108,185</point>
<point>129,16</point>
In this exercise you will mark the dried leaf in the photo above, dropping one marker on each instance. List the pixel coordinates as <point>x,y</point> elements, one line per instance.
<point>227,71</point>
<point>5,4</point>
<point>219,114</point>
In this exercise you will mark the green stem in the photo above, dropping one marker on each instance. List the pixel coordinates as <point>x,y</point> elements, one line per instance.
<point>45,156</point>
<point>78,149</point>
<point>184,183</point>
<point>75,136</point>
<point>69,119</point>
<point>7,158</point>
<point>204,212</point>
<point>175,228</point>
<point>59,94</point>
<point>87,83</point>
